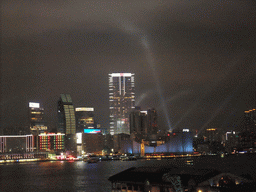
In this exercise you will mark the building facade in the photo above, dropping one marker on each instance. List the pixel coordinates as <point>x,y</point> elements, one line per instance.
<point>51,142</point>
<point>66,115</point>
<point>250,120</point>
<point>84,118</point>
<point>121,101</point>
<point>138,121</point>
<point>231,141</point>
<point>247,138</point>
<point>143,124</point>
<point>16,143</point>
<point>36,118</point>
<point>152,122</point>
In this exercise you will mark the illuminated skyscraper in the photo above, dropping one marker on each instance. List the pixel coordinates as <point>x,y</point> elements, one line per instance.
<point>36,118</point>
<point>66,115</point>
<point>84,118</point>
<point>121,101</point>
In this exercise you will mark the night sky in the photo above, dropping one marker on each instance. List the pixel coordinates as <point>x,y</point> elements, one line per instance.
<point>194,61</point>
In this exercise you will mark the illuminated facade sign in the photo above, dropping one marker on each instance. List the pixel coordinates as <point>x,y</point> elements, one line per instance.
<point>39,127</point>
<point>34,105</point>
<point>92,131</point>
<point>51,141</point>
<point>10,143</point>
<point>85,109</point>
<point>79,138</point>
<point>121,101</point>
<point>121,74</point>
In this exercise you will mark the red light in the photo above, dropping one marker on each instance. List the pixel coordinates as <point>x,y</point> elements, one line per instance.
<point>174,133</point>
<point>168,134</point>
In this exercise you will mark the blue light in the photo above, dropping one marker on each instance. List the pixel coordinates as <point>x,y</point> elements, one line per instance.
<point>92,131</point>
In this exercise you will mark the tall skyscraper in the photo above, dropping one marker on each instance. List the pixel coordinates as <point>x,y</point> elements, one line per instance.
<point>143,123</point>
<point>84,118</point>
<point>66,115</point>
<point>152,120</point>
<point>36,118</point>
<point>250,120</point>
<point>121,101</point>
<point>248,136</point>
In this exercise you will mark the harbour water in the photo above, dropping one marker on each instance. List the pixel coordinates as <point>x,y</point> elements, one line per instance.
<point>61,175</point>
<point>93,177</point>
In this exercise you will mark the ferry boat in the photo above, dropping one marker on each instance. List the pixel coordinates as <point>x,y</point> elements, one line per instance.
<point>91,159</point>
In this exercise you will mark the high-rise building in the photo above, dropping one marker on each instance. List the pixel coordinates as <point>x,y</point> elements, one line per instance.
<point>121,101</point>
<point>152,121</point>
<point>84,118</point>
<point>143,123</point>
<point>138,122</point>
<point>66,115</point>
<point>247,138</point>
<point>36,118</point>
<point>250,120</point>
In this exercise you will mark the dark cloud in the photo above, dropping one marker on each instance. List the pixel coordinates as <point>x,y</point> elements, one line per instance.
<point>198,56</point>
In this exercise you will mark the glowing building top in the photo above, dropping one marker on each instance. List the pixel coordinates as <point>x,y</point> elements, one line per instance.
<point>121,101</point>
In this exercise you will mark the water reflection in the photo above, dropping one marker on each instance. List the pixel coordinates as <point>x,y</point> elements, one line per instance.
<point>80,176</point>
<point>59,176</point>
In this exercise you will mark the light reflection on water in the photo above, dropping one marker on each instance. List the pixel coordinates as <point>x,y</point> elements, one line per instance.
<point>80,176</point>
<point>60,175</point>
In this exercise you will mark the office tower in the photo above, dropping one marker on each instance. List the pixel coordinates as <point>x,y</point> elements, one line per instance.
<point>139,123</point>
<point>121,101</point>
<point>152,121</point>
<point>84,118</point>
<point>66,115</point>
<point>250,120</point>
<point>36,118</point>
<point>247,138</point>
<point>231,141</point>
<point>212,135</point>
<point>143,123</point>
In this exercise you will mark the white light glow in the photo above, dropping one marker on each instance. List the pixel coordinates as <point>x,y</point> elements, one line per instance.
<point>51,134</point>
<point>85,109</point>
<point>16,136</point>
<point>79,138</point>
<point>121,74</point>
<point>34,105</point>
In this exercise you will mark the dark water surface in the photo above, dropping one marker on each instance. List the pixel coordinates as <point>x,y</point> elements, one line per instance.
<point>61,175</point>
<point>80,176</point>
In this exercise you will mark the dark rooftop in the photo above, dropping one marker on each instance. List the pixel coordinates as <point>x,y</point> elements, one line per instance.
<point>155,174</point>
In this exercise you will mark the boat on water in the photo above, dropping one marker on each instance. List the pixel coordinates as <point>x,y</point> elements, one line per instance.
<point>128,158</point>
<point>91,159</point>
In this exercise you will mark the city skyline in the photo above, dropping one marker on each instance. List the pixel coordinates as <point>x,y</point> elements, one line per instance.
<point>194,61</point>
